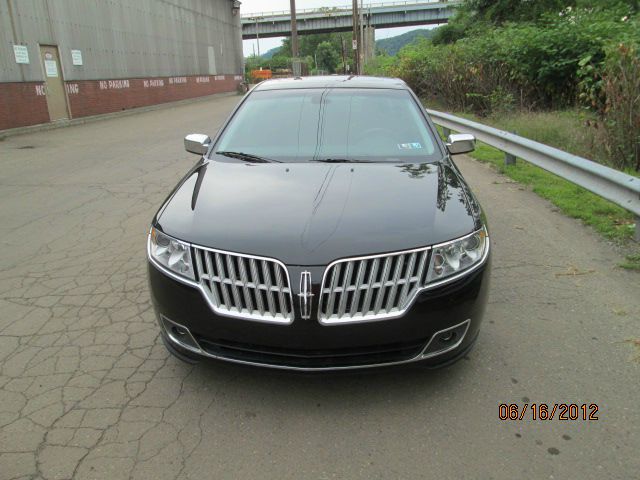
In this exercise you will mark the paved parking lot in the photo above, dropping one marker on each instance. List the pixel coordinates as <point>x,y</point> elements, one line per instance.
<point>87,390</point>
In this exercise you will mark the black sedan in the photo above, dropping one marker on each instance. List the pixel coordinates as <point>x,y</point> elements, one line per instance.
<point>325,227</point>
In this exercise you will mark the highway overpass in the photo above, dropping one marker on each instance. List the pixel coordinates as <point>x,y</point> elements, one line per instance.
<point>339,19</point>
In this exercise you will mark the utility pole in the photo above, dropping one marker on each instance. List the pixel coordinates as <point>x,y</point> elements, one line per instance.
<point>294,39</point>
<point>257,36</point>
<point>361,43</point>
<point>355,40</point>
<point>344,60</point>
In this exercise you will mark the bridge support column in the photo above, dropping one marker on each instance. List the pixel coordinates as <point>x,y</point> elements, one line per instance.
<point>369,42</point>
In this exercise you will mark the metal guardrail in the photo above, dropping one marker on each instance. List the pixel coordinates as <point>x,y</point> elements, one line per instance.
<point>338,9</point>
<point>616,186</point>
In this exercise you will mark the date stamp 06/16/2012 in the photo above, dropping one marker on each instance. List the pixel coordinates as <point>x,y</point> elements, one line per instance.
<point>549,411</point>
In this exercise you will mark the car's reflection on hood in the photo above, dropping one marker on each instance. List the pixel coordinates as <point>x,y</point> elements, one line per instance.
<point>313,213</point>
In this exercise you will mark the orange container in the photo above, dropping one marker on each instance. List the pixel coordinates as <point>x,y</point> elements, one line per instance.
<point>261,74</point>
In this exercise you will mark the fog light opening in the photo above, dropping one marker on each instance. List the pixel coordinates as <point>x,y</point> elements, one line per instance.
<point>179,332</point>
<point>447,337</point>
<point>446,340</point>
<point>180,335</point>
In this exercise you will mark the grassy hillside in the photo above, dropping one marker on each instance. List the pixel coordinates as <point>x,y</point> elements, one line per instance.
<point>270,53</point>
<point>392,45</point>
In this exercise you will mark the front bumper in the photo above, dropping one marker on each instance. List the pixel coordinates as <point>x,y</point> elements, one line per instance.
<point>421,335</point>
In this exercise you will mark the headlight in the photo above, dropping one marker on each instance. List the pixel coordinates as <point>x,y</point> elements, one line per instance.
<point>171,253</point>
<point>457,256</point>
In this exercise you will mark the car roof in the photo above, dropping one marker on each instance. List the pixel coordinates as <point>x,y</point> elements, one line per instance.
<point>332,81</point>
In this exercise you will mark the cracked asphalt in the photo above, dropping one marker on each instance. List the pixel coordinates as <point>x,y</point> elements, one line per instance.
<point>87,391</point>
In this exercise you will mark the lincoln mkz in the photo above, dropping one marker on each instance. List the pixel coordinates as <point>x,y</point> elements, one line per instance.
<point>325,227</point>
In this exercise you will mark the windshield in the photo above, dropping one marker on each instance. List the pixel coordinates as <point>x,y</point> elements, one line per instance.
<point>331,125</point>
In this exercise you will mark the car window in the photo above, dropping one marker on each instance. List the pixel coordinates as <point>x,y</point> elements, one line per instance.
<point>314,124</point>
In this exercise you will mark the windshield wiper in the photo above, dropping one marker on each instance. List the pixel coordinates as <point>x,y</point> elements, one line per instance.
<point>247,157</point>
<point>341,160</point>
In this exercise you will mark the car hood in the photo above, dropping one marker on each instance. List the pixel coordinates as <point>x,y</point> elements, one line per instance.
<point>314,213</point>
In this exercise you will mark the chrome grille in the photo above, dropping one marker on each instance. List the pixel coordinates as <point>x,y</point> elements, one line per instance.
<point>245,286</point>
<point>372,287</point>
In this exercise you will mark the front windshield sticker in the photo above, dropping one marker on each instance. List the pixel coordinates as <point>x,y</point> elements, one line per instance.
<point>410,146</point>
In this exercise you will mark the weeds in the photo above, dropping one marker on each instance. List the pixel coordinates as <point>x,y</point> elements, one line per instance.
<point>610,220</point>
<point>632,262</point>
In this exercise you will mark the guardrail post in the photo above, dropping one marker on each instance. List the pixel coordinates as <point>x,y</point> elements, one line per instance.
<point>446,131</point>
<point>508,158</point>
<point>636,235</point>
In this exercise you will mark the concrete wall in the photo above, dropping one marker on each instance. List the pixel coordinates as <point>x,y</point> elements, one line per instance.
<point>161,50</point>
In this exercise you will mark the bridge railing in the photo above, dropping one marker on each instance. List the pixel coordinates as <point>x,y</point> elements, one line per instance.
<point>616,186</point>
<point>344,8</point>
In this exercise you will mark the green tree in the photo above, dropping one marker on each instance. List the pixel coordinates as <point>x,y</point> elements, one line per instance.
<point>340,44</point>
<point>608,4</point>
<point>327,57</point>
<point>308,44</point>
<point>500,11</point>
<point>452,31</point>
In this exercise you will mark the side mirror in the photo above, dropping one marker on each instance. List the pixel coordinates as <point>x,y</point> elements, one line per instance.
<point>197,143</point>
<point>461,143</point>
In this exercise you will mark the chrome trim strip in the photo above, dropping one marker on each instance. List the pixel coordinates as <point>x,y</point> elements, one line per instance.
<point>409,303</point>
<point>417,358</point>
<point>199,286</point>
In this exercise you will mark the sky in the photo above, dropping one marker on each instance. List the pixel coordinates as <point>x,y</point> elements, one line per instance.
<point>253,6</point>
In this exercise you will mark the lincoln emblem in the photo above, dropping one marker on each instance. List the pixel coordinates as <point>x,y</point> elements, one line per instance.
<point>305,294</point>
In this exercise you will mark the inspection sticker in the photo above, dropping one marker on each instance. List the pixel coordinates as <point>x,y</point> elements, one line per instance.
<point>410,146</point>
